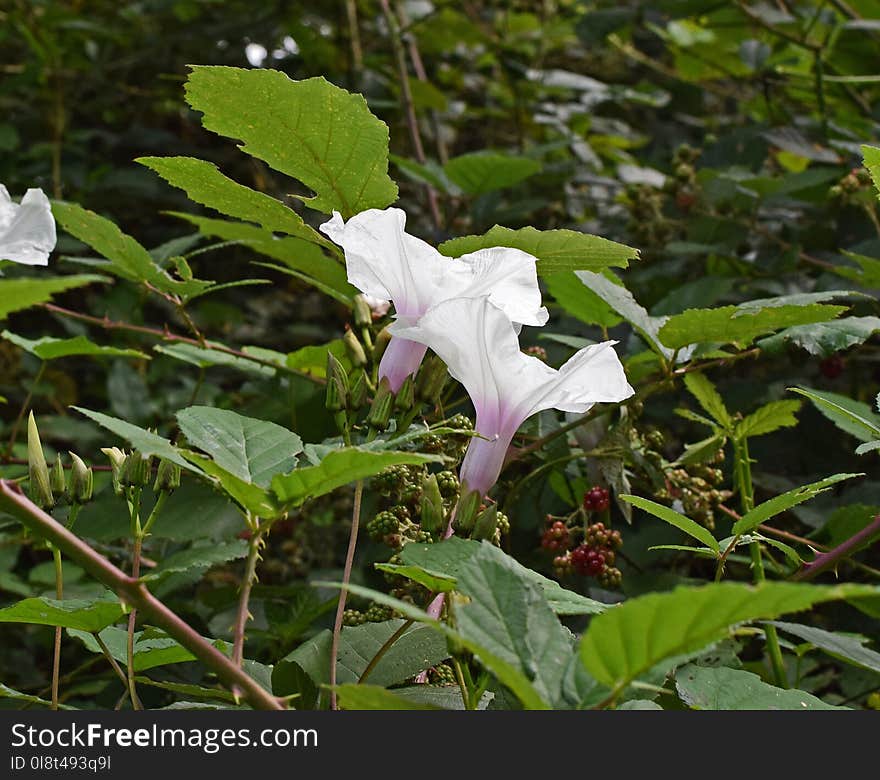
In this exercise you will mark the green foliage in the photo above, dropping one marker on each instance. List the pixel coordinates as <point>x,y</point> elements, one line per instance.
<point>19,294</point>
<point>49,348</point>
<point>481,172</point>
<point>86,615</point>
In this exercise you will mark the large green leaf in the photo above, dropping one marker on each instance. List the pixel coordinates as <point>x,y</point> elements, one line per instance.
<point>851,416</point>
<point>677,520</point>
<point>205,184</point>
<point>768,418</point>
<point>145,442</point>
<point>742,324</point>
<point>722,688</point>
<point>310,130</point>
<point>847,647</point>
<point>824,338</point>
<point>254,499</point>
<point>374,697</point>
<point>579,300</point>
<point>763,512</point>
<point>198,557</point>
<point>19,294</point>
<point>625,642</point>
<point>556,250</point>
<point>253,450</point>
<point>87,615</point>
<point>49,348</point>
<point>479,172</point>
<point>127,258</point>
<point>340,467</point>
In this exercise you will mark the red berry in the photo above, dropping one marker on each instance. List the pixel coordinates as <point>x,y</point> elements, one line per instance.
<point>595,564</point>
<point>596,499</point>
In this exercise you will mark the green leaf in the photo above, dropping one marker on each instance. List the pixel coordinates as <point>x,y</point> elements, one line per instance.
<point>19,294</point>
<point>853,417</point>
<point>49,348</point>
<point>128,259</point>
<point>508,615</point>
<point>310,130</point>
<point>824,338</point>
<point>867,274</point>
<point>708,397</point>
<point>152,647</point>
<point>768,418</point>
<point>206,357</point>
<point>446,697</point>
<point>257,500</point>
<point>145,442</point>
<point>580,301</point>
<point>556,250</point>
<point>87,615</point>
<point>763,512</point>
<point>479,172</point>
<point>722,688</point>
<point>741,324</point>
<point>441,563</point>
<point>842,646</point>
<point>26,698</point>
<point>205,184</point>
<point>340,467</point>
<point>313,359</point>
<point>683,523</point>
<point>871,155</point>
<point>250,449</point>
<point>198,557</point>
<point>374,697</point>
<point>625,642</point>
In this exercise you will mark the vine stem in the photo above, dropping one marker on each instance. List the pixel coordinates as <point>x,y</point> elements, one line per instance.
<point>825,561</point>
<point>346,577</point>
<point>132,617</point>
<point>250,576</point>
<point>56,658</point>
<point>133,592</point>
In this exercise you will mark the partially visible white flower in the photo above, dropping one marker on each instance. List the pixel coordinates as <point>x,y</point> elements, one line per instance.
<point>480,346</point>
<point>387,263</point>
<point>27,230</point>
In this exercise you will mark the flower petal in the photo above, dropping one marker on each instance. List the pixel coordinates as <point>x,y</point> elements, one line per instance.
<point>27,231</point>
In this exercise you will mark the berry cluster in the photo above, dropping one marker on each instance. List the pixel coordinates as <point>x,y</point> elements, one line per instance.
<point>696,487</point>
<point>556,537</point>
<point>375,613</point>
<point>442,674</point>
<point>596,556</point>
<point>596,499</point>
<point>853,189</point>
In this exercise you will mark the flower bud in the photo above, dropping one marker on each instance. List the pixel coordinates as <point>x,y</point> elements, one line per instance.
<point>358,395</point>
<point>354,349</point>
<point>38,469</point>
<point>431,505</point>
<point>380,345</point>
<point>337,385</point>
<point>380,410</point>
<point>486,523</point>
<point>167,477</point>
<point>138,470</point>
<point>81,480</point>
<point>57,478</point>
<point>363,314</point>
<point>431,379</point>
<point>466,510</point>
<point>405,397</point>
<point>117,464</point>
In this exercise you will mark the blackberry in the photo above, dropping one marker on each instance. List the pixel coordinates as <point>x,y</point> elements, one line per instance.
<point>378,613</point>
<point>610,578</point>
<point>556,537</point>
<point>448,483</point>
<point>596,499</point>
<point>353,617</point>
<point>383,524</point>
<point>442,674</point>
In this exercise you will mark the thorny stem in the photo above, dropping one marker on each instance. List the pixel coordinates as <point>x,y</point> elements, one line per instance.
<point>830,559</point>
<point>56,658</point>
<point>175,338</point>
<point>247,584</point>
<point>346,577</point>
<point>133,592</point>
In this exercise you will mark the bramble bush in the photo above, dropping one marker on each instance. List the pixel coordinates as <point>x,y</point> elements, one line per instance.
<point>459,356</point>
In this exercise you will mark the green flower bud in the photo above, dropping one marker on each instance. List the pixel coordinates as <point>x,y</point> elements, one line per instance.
<point>432,516</point>
<point>354,349</point>
<point>117,464</point>
<point>167,477</point>
<point>363,314</point>
<point>38,469</point>
<point>380,410</point>
<point>138,470</point>
<point>380,345</point>
<point>358,395</point>
<point>466,510</point>
<point>81,480</point>
<point>337,385</point>
<point>486,523</point>
<point>405,397</point>
<point>431,379</point>
<point>58,480</point>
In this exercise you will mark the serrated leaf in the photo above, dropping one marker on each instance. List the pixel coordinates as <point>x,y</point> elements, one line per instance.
<point>741,324</point>
<point>127,258</point>
<point>204,357</point>
<point>252,450</point>
<point>340,467</point>
<point>623,643</point>
<point>254,499</point>
<point>683,523</point>
<point>49,348</point>
<point>853,417</point>
<point>842,646</point>
<point>871,156</point>
<point>145,442</point>
<point>479,172</point>
<point>768,418</point>
<point>556,250</point>
<point>198,557</point>
<point>311,130</point>
<point>85,614</point>
<point>722,688</point>
<point>708,397</point>
<point>763,512</point>
<point>20,294</point>
<point>824,338</point>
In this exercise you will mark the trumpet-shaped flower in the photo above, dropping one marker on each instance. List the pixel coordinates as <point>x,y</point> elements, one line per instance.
<point>387,263</point>
<point>27,229</point>
<point>480,346</point>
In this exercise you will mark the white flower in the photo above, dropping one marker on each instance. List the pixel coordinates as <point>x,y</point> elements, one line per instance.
<point>27,230</point>
<point>385,262</point>
<point>480,346</point>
